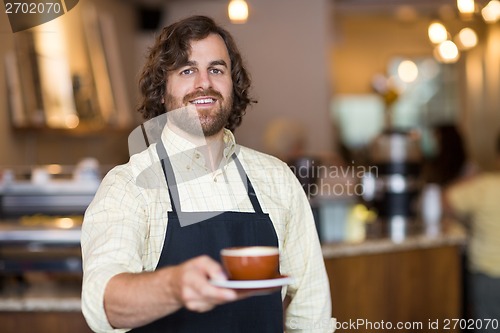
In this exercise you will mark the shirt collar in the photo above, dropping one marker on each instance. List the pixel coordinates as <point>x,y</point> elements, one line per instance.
<point>187,153</point>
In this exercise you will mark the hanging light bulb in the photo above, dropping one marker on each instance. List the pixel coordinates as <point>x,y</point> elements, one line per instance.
<point>447,52</point>
<point>407,71</point>
<point>237,11</point>
<point>466,39</point>
<point>437,32</point>
<point>466,7</point>
<point>491,12</point>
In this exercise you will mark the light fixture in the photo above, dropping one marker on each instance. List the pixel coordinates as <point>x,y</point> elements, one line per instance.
<point>447,52</point>
<point>237,11</point>
<point>407,71</point>
<point>437,32</point>
<point>466,39</point>
<point>491,12</point>
<point>466,7</point>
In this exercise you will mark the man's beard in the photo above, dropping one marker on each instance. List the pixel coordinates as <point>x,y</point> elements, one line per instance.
<point>210,122</point>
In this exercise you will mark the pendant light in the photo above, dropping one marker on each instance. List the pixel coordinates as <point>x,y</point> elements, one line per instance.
<point>237,11</point>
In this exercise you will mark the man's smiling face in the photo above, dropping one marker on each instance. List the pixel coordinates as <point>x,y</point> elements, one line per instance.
<point>203,82</point>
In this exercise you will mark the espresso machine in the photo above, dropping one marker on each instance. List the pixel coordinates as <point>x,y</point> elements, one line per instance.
<point>41,217</point>
<point>395,157</point>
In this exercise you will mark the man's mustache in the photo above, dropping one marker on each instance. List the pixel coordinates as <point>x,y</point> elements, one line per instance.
<point>203,93</point>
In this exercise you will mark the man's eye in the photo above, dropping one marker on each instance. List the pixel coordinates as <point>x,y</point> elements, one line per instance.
<point>216,71</point>
<point>187,71</point>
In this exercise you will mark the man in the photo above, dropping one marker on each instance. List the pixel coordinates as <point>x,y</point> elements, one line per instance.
<point>477,198</point>
<point>152,235</point>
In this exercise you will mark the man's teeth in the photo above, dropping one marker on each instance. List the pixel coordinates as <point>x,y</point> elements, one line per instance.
<point>203,101</point>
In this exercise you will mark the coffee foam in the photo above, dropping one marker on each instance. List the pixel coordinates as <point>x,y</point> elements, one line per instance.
<point>252,251</point>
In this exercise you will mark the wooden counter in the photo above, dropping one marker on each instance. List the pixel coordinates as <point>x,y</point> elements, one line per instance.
<point>42,303</point>
<point>413,282</point>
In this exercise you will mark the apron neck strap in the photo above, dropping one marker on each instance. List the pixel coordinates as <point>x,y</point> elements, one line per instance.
<point>250,190</point>
<point>173,191</point>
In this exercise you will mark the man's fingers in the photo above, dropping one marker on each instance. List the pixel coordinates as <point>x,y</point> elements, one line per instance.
<point>205,297</point>
<point>196,291</point>
<point>212,268</point>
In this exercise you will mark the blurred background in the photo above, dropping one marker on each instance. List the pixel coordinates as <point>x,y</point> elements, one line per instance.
<point>327,54</point>
<point>388,95</point>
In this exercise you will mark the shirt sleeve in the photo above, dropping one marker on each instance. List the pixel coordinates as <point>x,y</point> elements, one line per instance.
<point>310,306</point>
<point>113,233</point>
<point>463,197</point>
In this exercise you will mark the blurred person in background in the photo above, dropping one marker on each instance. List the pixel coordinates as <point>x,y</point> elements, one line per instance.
<point>450,159</point>
<point>476,199</point>
<point>142,268</point>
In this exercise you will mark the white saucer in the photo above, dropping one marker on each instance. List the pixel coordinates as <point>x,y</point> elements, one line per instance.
<point>253,284</point>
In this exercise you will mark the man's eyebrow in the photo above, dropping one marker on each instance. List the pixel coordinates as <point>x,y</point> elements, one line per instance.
<point>218,62</point>
<point>190,63</point>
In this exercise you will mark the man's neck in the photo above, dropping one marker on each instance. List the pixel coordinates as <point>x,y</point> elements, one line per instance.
<point>212,147</point>
<point>214,150</point>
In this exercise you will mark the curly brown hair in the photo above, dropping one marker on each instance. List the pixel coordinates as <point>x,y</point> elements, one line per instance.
<point>171,51</point>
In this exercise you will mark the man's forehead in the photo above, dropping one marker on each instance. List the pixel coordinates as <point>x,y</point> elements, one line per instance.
<point>213,44</point>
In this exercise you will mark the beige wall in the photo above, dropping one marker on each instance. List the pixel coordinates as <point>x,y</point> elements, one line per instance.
<point>364,44</point>
<point>481,119</point>
<point>285,45</point>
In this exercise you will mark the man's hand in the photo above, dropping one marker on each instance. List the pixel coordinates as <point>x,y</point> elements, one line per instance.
<point>136,299</point>
<point>191,287</point>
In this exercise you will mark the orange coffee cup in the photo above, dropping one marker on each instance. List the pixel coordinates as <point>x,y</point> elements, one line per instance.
<point>251,262</point>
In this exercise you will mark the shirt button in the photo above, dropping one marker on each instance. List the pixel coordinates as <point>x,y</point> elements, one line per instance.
<point>188,167</point>
<point>197,156</point>
<point>215,180</point>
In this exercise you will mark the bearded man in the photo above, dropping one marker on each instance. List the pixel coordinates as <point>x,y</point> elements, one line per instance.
<point>151,249</point>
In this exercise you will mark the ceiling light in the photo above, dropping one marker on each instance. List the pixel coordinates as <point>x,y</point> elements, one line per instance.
<point>491,13</point>
<point>237,11</point>
<point>466,38</point>
<point>437,32</point>
<point>447,52</point>
<point>407,71</point>
<point>466,6</point>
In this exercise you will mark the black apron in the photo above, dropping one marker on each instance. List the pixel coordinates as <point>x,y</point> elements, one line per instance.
<point>255,314</point>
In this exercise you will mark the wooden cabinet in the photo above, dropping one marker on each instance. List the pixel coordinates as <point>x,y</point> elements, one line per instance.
<point>412,287</point>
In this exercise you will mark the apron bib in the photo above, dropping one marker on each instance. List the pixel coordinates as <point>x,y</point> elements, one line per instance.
<point>227,229</point>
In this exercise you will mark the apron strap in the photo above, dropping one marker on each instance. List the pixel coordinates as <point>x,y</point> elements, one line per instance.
<point>251,192</point>
<point>145,135</point>
<point>173,191</point>
<point>169,175</point>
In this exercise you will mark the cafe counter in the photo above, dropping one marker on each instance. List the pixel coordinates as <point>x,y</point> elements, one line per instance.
<point>415,279</point>
<point>40,275</point>
<point>42,302</point>
<point>452,234</point>
<point>407,283</point>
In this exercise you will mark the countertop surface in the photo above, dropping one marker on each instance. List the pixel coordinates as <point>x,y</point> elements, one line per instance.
<point>41,292</point>
<point>446,234</point>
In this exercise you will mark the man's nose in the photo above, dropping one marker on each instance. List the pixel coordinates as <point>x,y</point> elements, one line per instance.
<point>203,81</point>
